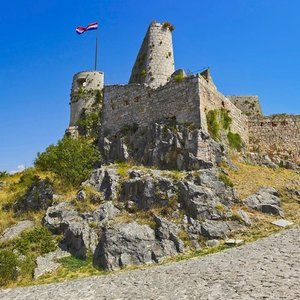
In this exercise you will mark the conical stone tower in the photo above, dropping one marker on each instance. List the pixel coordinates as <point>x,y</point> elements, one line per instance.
<point>155,61</point>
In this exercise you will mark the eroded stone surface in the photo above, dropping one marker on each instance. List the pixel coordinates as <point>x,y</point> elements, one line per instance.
<point>266,269</point>
<point>15,230</point>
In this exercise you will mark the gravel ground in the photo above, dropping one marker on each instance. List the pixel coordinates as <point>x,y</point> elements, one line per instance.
<point>266,269</point>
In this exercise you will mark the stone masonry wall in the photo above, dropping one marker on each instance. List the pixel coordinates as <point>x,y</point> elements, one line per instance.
<point>211,98</point>
<point>277,136</point>
<point>155,61</point>
<point>140,104</point>
<point>187,100</point>
<point>247,104</point>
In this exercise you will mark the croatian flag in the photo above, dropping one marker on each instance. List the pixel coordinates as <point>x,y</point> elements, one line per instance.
<point>92,26</point>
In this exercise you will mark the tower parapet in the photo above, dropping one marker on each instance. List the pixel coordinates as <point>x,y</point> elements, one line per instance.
<point>155,61</point>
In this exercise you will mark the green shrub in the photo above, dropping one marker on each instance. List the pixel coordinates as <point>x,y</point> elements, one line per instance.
<point>88,124</point>
<point>168,25</point>
<point>225,179</point>
<point>225,119</point>
<point>213,124</point>
<point>39,241</point>
<point>179,77</point>
<point>73,264</point>
<point>72,160</point>
<point>235,141</point>
<point>8,267</point>
<point>3,174</point>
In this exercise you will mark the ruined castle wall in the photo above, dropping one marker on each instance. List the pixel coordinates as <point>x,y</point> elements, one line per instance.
<point>249,105</point>
<point>140,104</point>
<point>155,61</point>
<point>277,136</point>
<point>211,98</point>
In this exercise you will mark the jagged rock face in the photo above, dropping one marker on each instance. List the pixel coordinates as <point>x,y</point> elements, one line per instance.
<point>58,217</point>
<point>105,212</point>
<point>199,201</point>
<point>164,146</point>
<point>265,200</point>
<point>106,181</point>
<point>38,197</point>
<point>206,197</point>
<point>79,236</point>
<point>133,244</point>
<point>147,191</point>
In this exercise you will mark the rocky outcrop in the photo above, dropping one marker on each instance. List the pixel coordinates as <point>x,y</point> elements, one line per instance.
<point>58,217</point>
<point>204,196</point>
<point>274,162</point>
<point>48,262</point>
<point>38,197</point>
<point>15,230</point>
<point>165,145</point>
<point>106,181</point>
<point>79,236</point>
<point>265,200</point>
<point>215,229</point>
<point>201,196</point>
<point>105,212</point>
<point>148,190</point>
<point>168,241</point>
<point>132,244</point>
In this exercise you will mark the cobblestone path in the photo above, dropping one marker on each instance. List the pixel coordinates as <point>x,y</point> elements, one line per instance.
<point>266,269</point>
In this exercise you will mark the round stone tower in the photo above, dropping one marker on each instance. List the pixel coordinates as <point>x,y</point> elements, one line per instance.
<point>155,61</point>
<point>85,87</point>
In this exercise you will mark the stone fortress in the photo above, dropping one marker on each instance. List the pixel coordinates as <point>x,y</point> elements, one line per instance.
<point>156,91</point>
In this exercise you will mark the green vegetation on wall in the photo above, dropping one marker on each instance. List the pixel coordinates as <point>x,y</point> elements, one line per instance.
<point>235,141</point>
<point>218,122</point>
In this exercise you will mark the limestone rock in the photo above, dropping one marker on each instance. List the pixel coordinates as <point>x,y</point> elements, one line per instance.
<point>38,197</point>
<point>58,217</point>
<point>265,200</point>
<point>213,243</point>
<point>165,145</point>
<point>206,197</point>
<point>48,262</point>
<point>106,211</point>
<point>244,217</point>
<point>79,238</point>
<point>147,191</point>
<point>124,244</point>
<point>15,230</point>
<point>106,181</point>
<point>81,195</point>
<point>282,223</point>
<point>215,229</point>
<point>167,233</point>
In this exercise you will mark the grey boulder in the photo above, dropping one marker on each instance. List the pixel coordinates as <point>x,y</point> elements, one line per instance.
<point>38,197</point>
<point>105,211</point>
<point>126,244</point>
<point>215,229</point>
<point>105,180</point>
<point>265,200</point>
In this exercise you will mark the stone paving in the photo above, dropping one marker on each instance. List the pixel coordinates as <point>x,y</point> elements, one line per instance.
<point>266,269</point>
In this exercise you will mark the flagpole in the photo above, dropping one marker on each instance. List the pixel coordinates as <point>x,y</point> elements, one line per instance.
<point>96,51</point>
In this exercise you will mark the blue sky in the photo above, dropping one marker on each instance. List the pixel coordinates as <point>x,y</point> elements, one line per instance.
<point>251,46</point>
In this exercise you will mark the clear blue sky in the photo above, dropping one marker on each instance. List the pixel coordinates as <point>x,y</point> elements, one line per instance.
<point>251,46</point>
